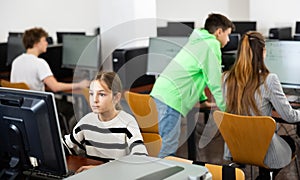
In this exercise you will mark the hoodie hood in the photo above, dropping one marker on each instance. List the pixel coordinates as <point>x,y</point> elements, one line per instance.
<point>202,34</point>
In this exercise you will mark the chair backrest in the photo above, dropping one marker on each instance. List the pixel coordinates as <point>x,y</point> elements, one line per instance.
<point>86,94</point>
<point>20,85</point>
<point>215,170</point>
<point>144,109</point>
<point>153,143</point>
<point>247,137</point>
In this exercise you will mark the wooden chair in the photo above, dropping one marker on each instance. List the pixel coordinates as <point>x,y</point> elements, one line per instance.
<point>20,85</point>
<point>247,137</point>
<point>215,170</point>
<point>144,109</point>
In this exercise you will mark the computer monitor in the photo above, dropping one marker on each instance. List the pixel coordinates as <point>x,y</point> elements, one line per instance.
<point>283,59</point>
<point>161,51</point>
<point>233,43</point>
<point>3,54</point>
<point>297,29</point>
<point>30,138</point>
<point>81,51</point>
<point>176,29</point>
<point>242,27</point>
<point>53,57</point>
<point>20,34</point>
<point>60,35</point>
<point>15,47</point>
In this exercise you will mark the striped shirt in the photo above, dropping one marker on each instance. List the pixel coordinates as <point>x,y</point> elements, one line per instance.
<point>107,140</point>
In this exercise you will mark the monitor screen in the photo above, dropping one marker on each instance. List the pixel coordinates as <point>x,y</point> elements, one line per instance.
<point>15,47</point>
<point>233,43</point>
<point>81,51</point>
<point>60,35</point>
<point>30,135</point>
<point>283,59</point>
<point>242,27</point>
<point>161,51</point>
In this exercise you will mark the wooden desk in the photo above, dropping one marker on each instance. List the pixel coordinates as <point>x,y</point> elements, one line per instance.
<point>278,118</point>
<point>75,162</point>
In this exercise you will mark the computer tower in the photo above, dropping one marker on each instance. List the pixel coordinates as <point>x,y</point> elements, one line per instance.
<point>297,37</point>
<point>131,64</point>
<point>53,56</point>
<point>283,33</point>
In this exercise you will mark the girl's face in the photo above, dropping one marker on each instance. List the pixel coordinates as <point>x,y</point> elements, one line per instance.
<point>101,98</point>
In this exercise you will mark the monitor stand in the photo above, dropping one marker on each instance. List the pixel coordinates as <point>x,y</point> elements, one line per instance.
<point>17,151</point>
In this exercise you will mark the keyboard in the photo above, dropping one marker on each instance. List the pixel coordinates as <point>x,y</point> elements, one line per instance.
<point>46,175</point>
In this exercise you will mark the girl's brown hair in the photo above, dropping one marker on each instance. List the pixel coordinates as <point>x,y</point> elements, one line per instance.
<point>246,75</point>
<point>113,82</point>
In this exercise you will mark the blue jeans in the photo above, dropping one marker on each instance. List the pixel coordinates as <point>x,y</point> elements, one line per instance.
<point>169,121</point>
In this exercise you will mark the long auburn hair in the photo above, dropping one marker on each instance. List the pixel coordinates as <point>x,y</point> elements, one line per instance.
<point>246,75</point>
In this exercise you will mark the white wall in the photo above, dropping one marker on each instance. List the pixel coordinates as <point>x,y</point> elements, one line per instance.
<point>52,15</point>
<point>267,13</point>
<point>198,10</point>
<point>121,21</point>
<point>274,13</point>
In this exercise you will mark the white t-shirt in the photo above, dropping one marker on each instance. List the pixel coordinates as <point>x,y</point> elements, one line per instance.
<point>31,70</point>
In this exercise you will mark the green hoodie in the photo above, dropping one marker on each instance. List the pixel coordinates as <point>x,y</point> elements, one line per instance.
<point>197,65</point>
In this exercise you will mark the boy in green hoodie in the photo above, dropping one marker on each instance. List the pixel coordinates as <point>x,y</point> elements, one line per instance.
<point>181,85</point>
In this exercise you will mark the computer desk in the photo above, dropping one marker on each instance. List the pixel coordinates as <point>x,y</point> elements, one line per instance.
<point>278,118</point>
<point>75,162</point>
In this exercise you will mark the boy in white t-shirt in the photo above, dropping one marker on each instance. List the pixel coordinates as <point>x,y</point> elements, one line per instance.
<point>35,71</point>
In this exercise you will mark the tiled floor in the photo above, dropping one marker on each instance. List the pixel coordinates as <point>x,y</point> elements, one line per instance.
<point>213,151</point>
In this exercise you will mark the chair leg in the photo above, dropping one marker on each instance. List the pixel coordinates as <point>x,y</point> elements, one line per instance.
<point>251,173</point>
<point>296,163</point>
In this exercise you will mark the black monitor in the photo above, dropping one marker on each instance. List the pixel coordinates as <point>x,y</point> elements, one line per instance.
<point>176,29</point>
<point>53,56</point>
<point>20,34</point>
<point>15,48</point>
<point>242,27</point>
<point>161,51</point>
<point>233,43</point>
<point>283,59</point>
<point>3,54</point>
<point>60,35</point>
<point>30,138</point>
<point>80,51</point>
<point>297,29</point>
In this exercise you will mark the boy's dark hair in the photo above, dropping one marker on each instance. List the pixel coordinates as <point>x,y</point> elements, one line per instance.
<point>215,21</point>
<point>32,36</point>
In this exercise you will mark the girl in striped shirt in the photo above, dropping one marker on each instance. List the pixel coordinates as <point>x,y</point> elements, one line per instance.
<point>108,132</point>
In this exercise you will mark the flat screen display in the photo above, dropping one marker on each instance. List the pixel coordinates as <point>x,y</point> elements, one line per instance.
<point>283,59</point>
<point>161,51</point>
<point>81,51</point>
